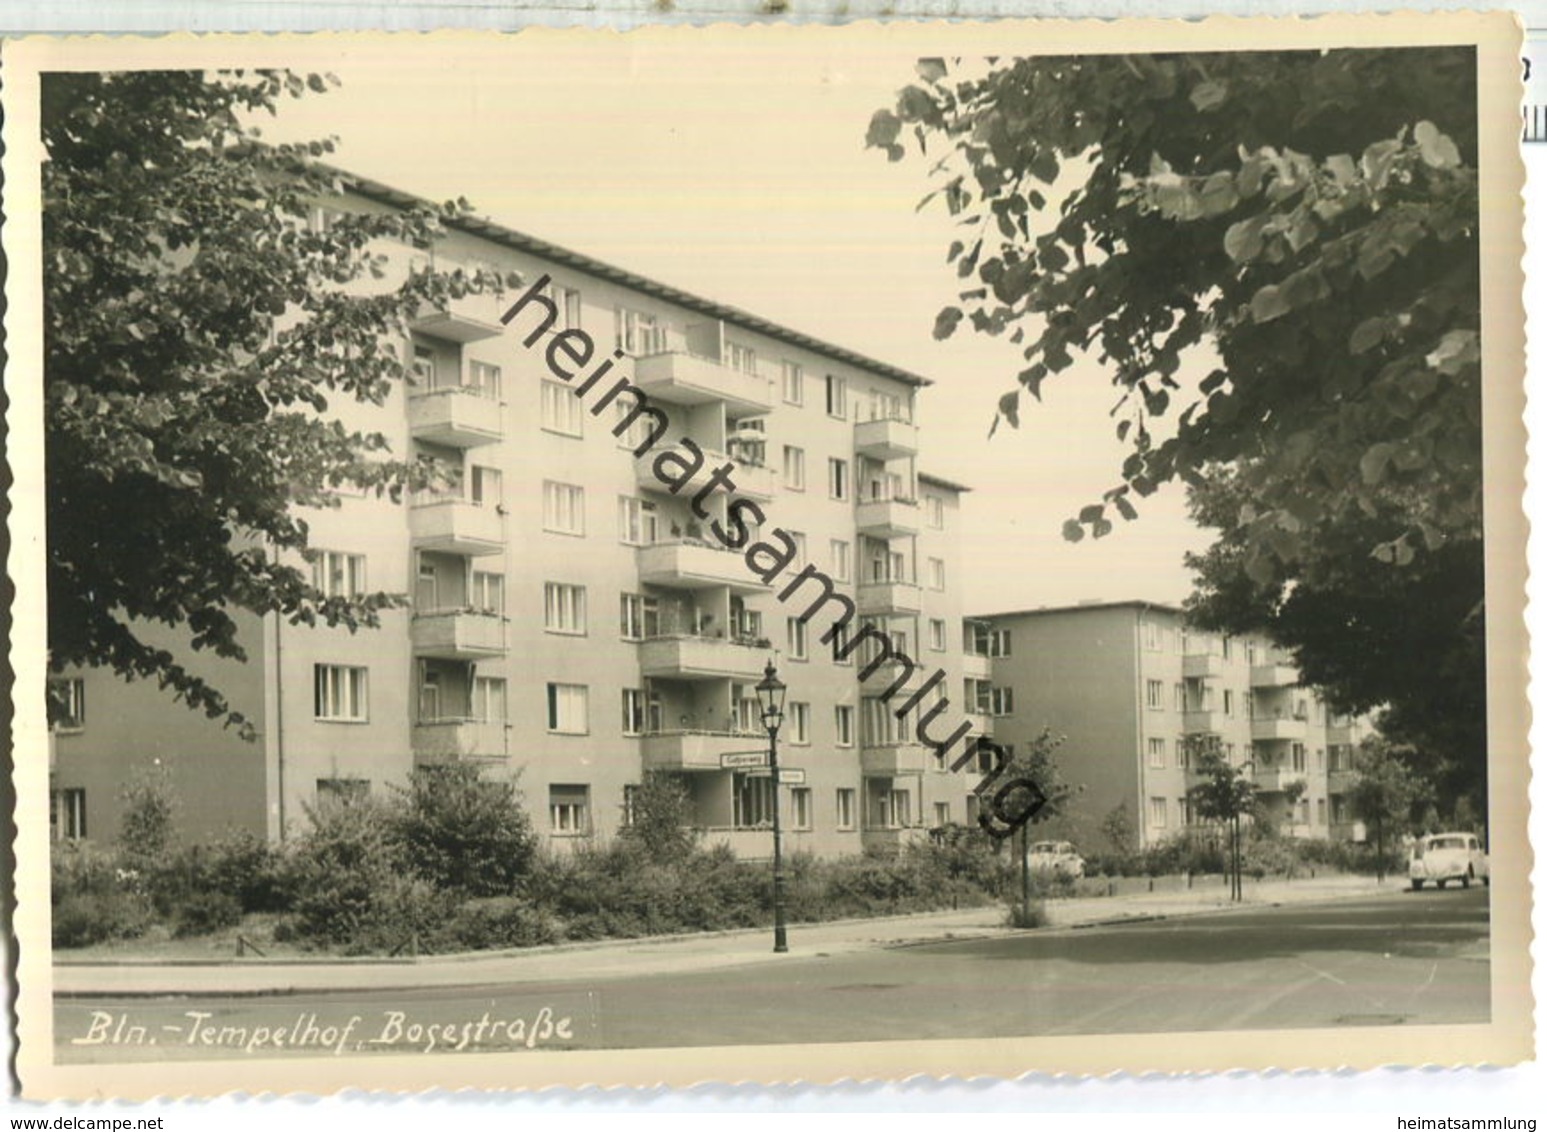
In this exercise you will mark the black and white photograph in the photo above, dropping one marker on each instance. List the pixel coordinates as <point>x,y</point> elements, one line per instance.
<point>757,554</point>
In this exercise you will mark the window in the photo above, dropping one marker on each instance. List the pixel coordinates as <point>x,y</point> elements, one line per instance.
<point>1152,636</point>
<point>942,814</point>
<point>838,554</point>
<point>837,397</point>
<point>339,575</point>
<point>753,801</point>
<point>799,539</point>
<point>1157,751</point>
<point>1154,693</point>
<point>638,522</point>
<point>423,367</point>
<point>1157,813</point>
<point>70,702</point>
<point>794,468</point>
<point>1001,701</point>
<point>562,410</point>
<point>639,333</point>
<point>1224,647</point>
<point>343,791</point>
<point>484,380</point>
<point>937,573</point>
<point>934,510</point>
<point>567,708</point>
<point>742,359</point>
<point>795,630</point>
<point>974,807</point>
<point>569,810</point>
<point>1179,697</point>
<point>70,814</point>
<point>800,724</point>
<point>843,725</point>
<point>937,634</point>
<point>639,709</point>
<point>1229,704</point>
<point>339,692</point>
<point>998,642</point>
<point>488,592</point>
<point>978,695</point>
<point>800,807</point>
<point>844,799</point>
<point>486,487</point>
<point>563,508</point>
<point>563,608</point>
<point>566,301</point>
<point>1321,811</point>
<point>489,699</point>
<point>841,653</point>
<point>793,381</point>
<point>1297,755</point>
<point>838,478</point>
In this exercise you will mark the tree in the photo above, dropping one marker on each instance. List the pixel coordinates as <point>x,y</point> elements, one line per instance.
<point>661,819</point>
<point>197,328</point>
<point>462,831</point>
<point>1274,257</point>
<point>1386,791</point>
<point>1224,794</point>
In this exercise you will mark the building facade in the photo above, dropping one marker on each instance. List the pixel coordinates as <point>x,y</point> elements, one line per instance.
<point>575,617</point>
<point>1135,692</point>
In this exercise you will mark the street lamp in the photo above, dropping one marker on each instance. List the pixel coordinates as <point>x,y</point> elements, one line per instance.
<point>770,698</point>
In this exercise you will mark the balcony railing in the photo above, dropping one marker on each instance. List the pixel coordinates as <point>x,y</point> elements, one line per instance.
<point>1273,727</point>
<point>1272,780</point>
<point>974,666</point>
<point>455,525</point>
<point>889,597</point>
<point>889,759</point>
<point>888,518</point>
<point>1203,721</point>
<point>696,564</point>
<point>457,634</point>
<point>459,416</point>
<point>1274,675</point>
<point>1203,665</point>
<point>682,378</point>
<point>892,839</point>
<point>886,439</point>
<point>458,737</point>
<point>459,320</point>
<point>689,749</point>
<point>696,657</point>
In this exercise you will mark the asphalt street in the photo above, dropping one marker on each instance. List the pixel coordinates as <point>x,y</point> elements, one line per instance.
<point>1419,958</point>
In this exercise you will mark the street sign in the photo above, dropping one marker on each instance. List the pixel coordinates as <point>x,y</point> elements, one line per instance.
<point>788,775</point>
<point>743,760</point>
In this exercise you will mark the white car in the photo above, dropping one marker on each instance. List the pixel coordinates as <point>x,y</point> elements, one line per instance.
<point>1054,859</point>
<point>1444,857</point>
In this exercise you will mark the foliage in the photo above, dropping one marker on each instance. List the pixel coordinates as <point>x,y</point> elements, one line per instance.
<point>204,912</point>
<point>148,829</point>
<point>1028,780</point>
<point>499,922</point>
<point>461,831</point>
<point>1274,257</point>
<point>1224,792</point>
<point>1387,794</point>
<point>94,899</point>
<point>342,870</point>
<point>662,817</point>
<point>1031,914</point>
<point>196,330</point>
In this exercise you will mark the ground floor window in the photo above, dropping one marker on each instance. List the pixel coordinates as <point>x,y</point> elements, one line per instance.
<point>569,810</point>
<point>754,801</point>
<point>845,800</point>
<point>942,814</point>
<point>68,814</point>
<point>343,789</point>
<point>800,808</point>
<point>1157,813</point>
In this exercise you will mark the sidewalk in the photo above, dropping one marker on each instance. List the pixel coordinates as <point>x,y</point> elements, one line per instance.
<point>614,959</point>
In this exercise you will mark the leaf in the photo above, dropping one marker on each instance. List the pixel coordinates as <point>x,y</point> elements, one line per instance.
<point>1435,147</point>
<point>1044,166</point>
<point>1269,303</point>
<point>1091,512</point>
<point>1073,532</point>
<point>1372,465</point>
<point>1125,508</point>
<point>1367,335</point>
<point>1243,239</point>
<point>1208,96</point>
<point>1010,408</point>
<point>930,70</point>
<point>946,322</point>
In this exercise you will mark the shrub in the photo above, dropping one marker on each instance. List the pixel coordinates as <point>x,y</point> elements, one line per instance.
<point>1032,914</point>
<point>342,871</point>
<point>499,921</point>
<point>462,832</point>
<point>94,898</point>
<point>205,911</point>
<point>661,820</point>
<point>147,831</point>
<point>243,865</point>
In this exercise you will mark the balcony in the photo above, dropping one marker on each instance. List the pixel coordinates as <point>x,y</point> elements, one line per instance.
<point>443,740</point>
<point>1340,734</point>
<point>752,480</point>
<point>1270,728</point>
<point>459,320</point>
<point>1274,676</point>
<point>756,481</point>
<point>695,750</point>
<point>886,439</point>
<point>889,597</point>
<point>455,525</point>
<point>1204,721</point>
<point>1203,666</point>
<point>888,518</point>
<point>891,759</point>
<point>1275,780</point>
<point>975,667</point>
<point>700,658</point>
<point>893,840</point>
<point>680,378</point>
<point>696,566</point>
<point>457,634</point>
<point>457,416</point>
<point>754,844</point>
<point>982,724</point>
<point>1341,781</point>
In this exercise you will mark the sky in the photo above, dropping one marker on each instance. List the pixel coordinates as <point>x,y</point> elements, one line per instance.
<point>744,178</point>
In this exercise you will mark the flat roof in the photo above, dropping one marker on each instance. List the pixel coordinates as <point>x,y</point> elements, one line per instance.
<point>1077,607</point>
<point>941,481</point>
<point>521,241</point>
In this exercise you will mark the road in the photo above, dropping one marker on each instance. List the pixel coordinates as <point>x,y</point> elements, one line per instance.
<point>1412,959</point>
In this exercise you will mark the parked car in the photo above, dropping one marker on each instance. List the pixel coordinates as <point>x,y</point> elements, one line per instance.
<point>1054,859</point>
<point>1444,857</point>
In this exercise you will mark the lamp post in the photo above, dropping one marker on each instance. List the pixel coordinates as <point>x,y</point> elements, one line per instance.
<point>770,697</point>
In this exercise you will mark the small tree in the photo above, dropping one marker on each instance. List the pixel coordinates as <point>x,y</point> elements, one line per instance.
<point>1118,828</point>
<point>661,821</point>
<point>148,830</point>
<point>1025,789</point>
<point>1225,795</point>
<point>1386,792</point>
<point>461,831</point>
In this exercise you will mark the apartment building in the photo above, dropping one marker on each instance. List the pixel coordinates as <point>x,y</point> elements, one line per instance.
<point>575,618</point>
<point>1136,692</point>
